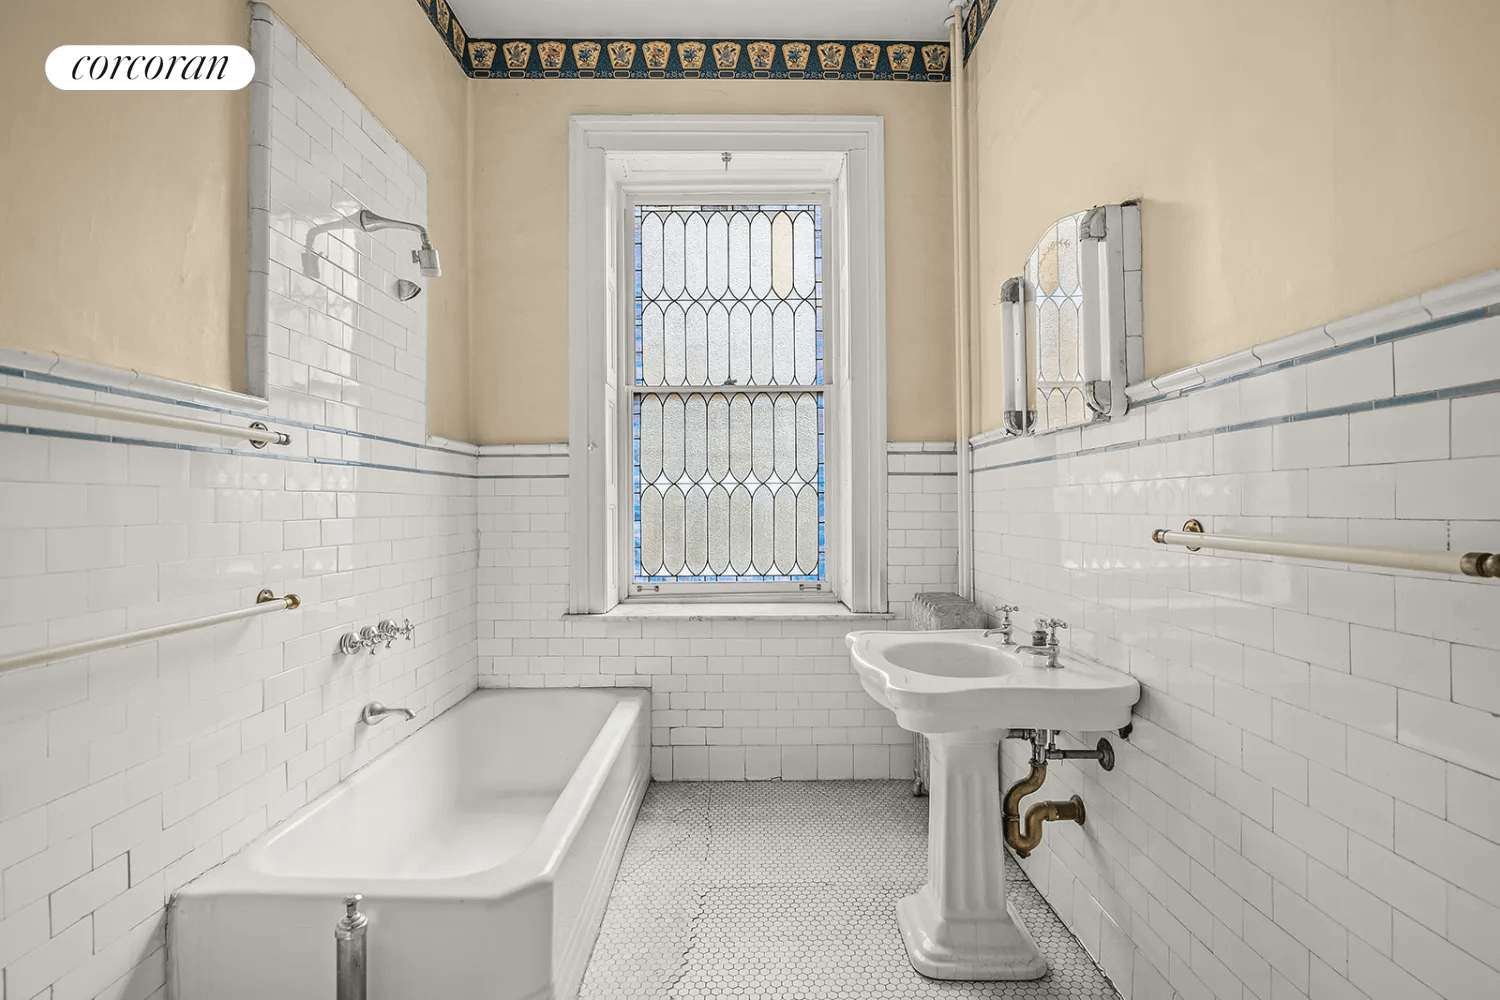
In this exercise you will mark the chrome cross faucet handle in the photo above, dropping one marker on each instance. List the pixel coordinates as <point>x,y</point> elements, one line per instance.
<point>1004,628</point>
<point>389,631</point>
<point>370,638</point>
<point>1044,640</point>
<point>1047,628</point>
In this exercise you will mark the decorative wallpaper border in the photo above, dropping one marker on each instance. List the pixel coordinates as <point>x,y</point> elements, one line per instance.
<point>706,59</point>
<point>974,24</point>
<point>453,34</point>
<point>687,58</point>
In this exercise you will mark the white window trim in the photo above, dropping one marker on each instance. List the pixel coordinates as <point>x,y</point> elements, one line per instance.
<point>614,159</point>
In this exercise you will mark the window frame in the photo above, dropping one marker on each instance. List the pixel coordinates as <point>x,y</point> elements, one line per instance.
<point>617,162</point>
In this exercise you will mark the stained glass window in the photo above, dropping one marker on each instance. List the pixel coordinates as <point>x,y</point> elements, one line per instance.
<point>1054,297</point>
<point>727,415</point>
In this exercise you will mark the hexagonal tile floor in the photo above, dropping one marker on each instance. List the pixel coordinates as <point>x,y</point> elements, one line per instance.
<point>787,889</point>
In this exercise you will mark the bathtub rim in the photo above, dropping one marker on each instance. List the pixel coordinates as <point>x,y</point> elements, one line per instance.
<point>535,865</point>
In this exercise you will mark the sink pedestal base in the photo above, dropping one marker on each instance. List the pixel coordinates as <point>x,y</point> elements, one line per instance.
<point>960,925</point>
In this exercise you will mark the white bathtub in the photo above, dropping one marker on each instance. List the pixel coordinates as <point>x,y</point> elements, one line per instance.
<point>485,846</point>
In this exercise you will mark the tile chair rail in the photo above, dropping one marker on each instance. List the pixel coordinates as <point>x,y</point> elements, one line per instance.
<point>257,433</point>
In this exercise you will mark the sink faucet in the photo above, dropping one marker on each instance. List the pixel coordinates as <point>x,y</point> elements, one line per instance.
<point>1044,641</point>
<point>1004,628</point>
<point>375,712</point>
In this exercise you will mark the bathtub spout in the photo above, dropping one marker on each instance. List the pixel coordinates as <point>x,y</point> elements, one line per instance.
<point>375,712</point>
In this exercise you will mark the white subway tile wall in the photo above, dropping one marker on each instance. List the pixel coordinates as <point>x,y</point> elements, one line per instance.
<point>126,773</point>
<point>1309,804</point>
<point>732,698</point>
<point>338,348</point>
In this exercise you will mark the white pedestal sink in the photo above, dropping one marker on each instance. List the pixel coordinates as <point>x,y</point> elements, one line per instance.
<point>964,692</point>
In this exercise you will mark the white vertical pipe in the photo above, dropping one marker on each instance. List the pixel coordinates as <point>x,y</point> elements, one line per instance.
<point>962,250</point>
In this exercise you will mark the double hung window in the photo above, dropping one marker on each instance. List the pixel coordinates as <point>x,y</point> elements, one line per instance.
<point>727,386</point>
<point>727,410</point>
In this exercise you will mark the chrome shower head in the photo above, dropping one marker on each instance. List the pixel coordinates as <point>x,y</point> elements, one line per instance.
<point>407,290</point>
<point>426,258</point>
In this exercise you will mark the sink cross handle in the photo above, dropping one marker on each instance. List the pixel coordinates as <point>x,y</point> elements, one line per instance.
<point>1004,628</point>
<point>1045,633</point>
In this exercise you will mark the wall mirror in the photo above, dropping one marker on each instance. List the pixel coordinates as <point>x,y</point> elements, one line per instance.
<point>1071,322</point>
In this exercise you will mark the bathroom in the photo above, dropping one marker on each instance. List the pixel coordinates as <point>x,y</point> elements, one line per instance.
<point>530,470</point>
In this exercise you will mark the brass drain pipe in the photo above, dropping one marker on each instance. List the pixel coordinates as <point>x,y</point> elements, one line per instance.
<point>1024,836</point>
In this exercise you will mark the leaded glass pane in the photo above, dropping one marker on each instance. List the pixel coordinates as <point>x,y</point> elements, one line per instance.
<point>695,438</point>
<point>786,527</point>
<point>781,254</point>
<point>760,255</point>
<point>718,531</point>
<point>728,416</point>
<point>650,526</point>
<point>695,252</point>
<point>649,459</point>
<point>783,337</point>
<point>805,325</point>
<point>739,344</point>
<point>672,255</point>
<point>697,345</point>
<point>718,256</point>
<point>673,531</point>
<point>697,530</point>
<point>652,370</point>
<point>651,256</point>
<point>763,531</point>
<point>718,344</point>
<point>675,350</point>
<point>761,370</point>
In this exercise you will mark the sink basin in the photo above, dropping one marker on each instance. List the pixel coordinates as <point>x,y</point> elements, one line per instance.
<point>948,682</point>
<point>964,692</point>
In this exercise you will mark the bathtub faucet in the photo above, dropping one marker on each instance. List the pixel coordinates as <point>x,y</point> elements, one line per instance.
<point>375,712</point>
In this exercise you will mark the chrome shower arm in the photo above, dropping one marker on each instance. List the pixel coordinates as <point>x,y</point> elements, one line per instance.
<point>370,222</point>
<point>426,258</point>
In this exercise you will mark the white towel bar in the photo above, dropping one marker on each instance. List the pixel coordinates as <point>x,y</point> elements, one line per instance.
<point>1482,564</point>
<point>266,603</point>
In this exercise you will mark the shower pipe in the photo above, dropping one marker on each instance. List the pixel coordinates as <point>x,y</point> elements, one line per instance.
<point>265,603</point>
<point>257,433</point>
<point>1481,564</point>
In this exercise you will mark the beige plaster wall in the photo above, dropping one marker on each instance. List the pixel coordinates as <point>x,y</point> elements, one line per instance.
<point>124,214</point>
<point>1299,160</point>
<point>519,322</point>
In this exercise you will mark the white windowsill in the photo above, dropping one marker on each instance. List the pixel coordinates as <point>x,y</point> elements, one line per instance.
<point>763,611</point>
